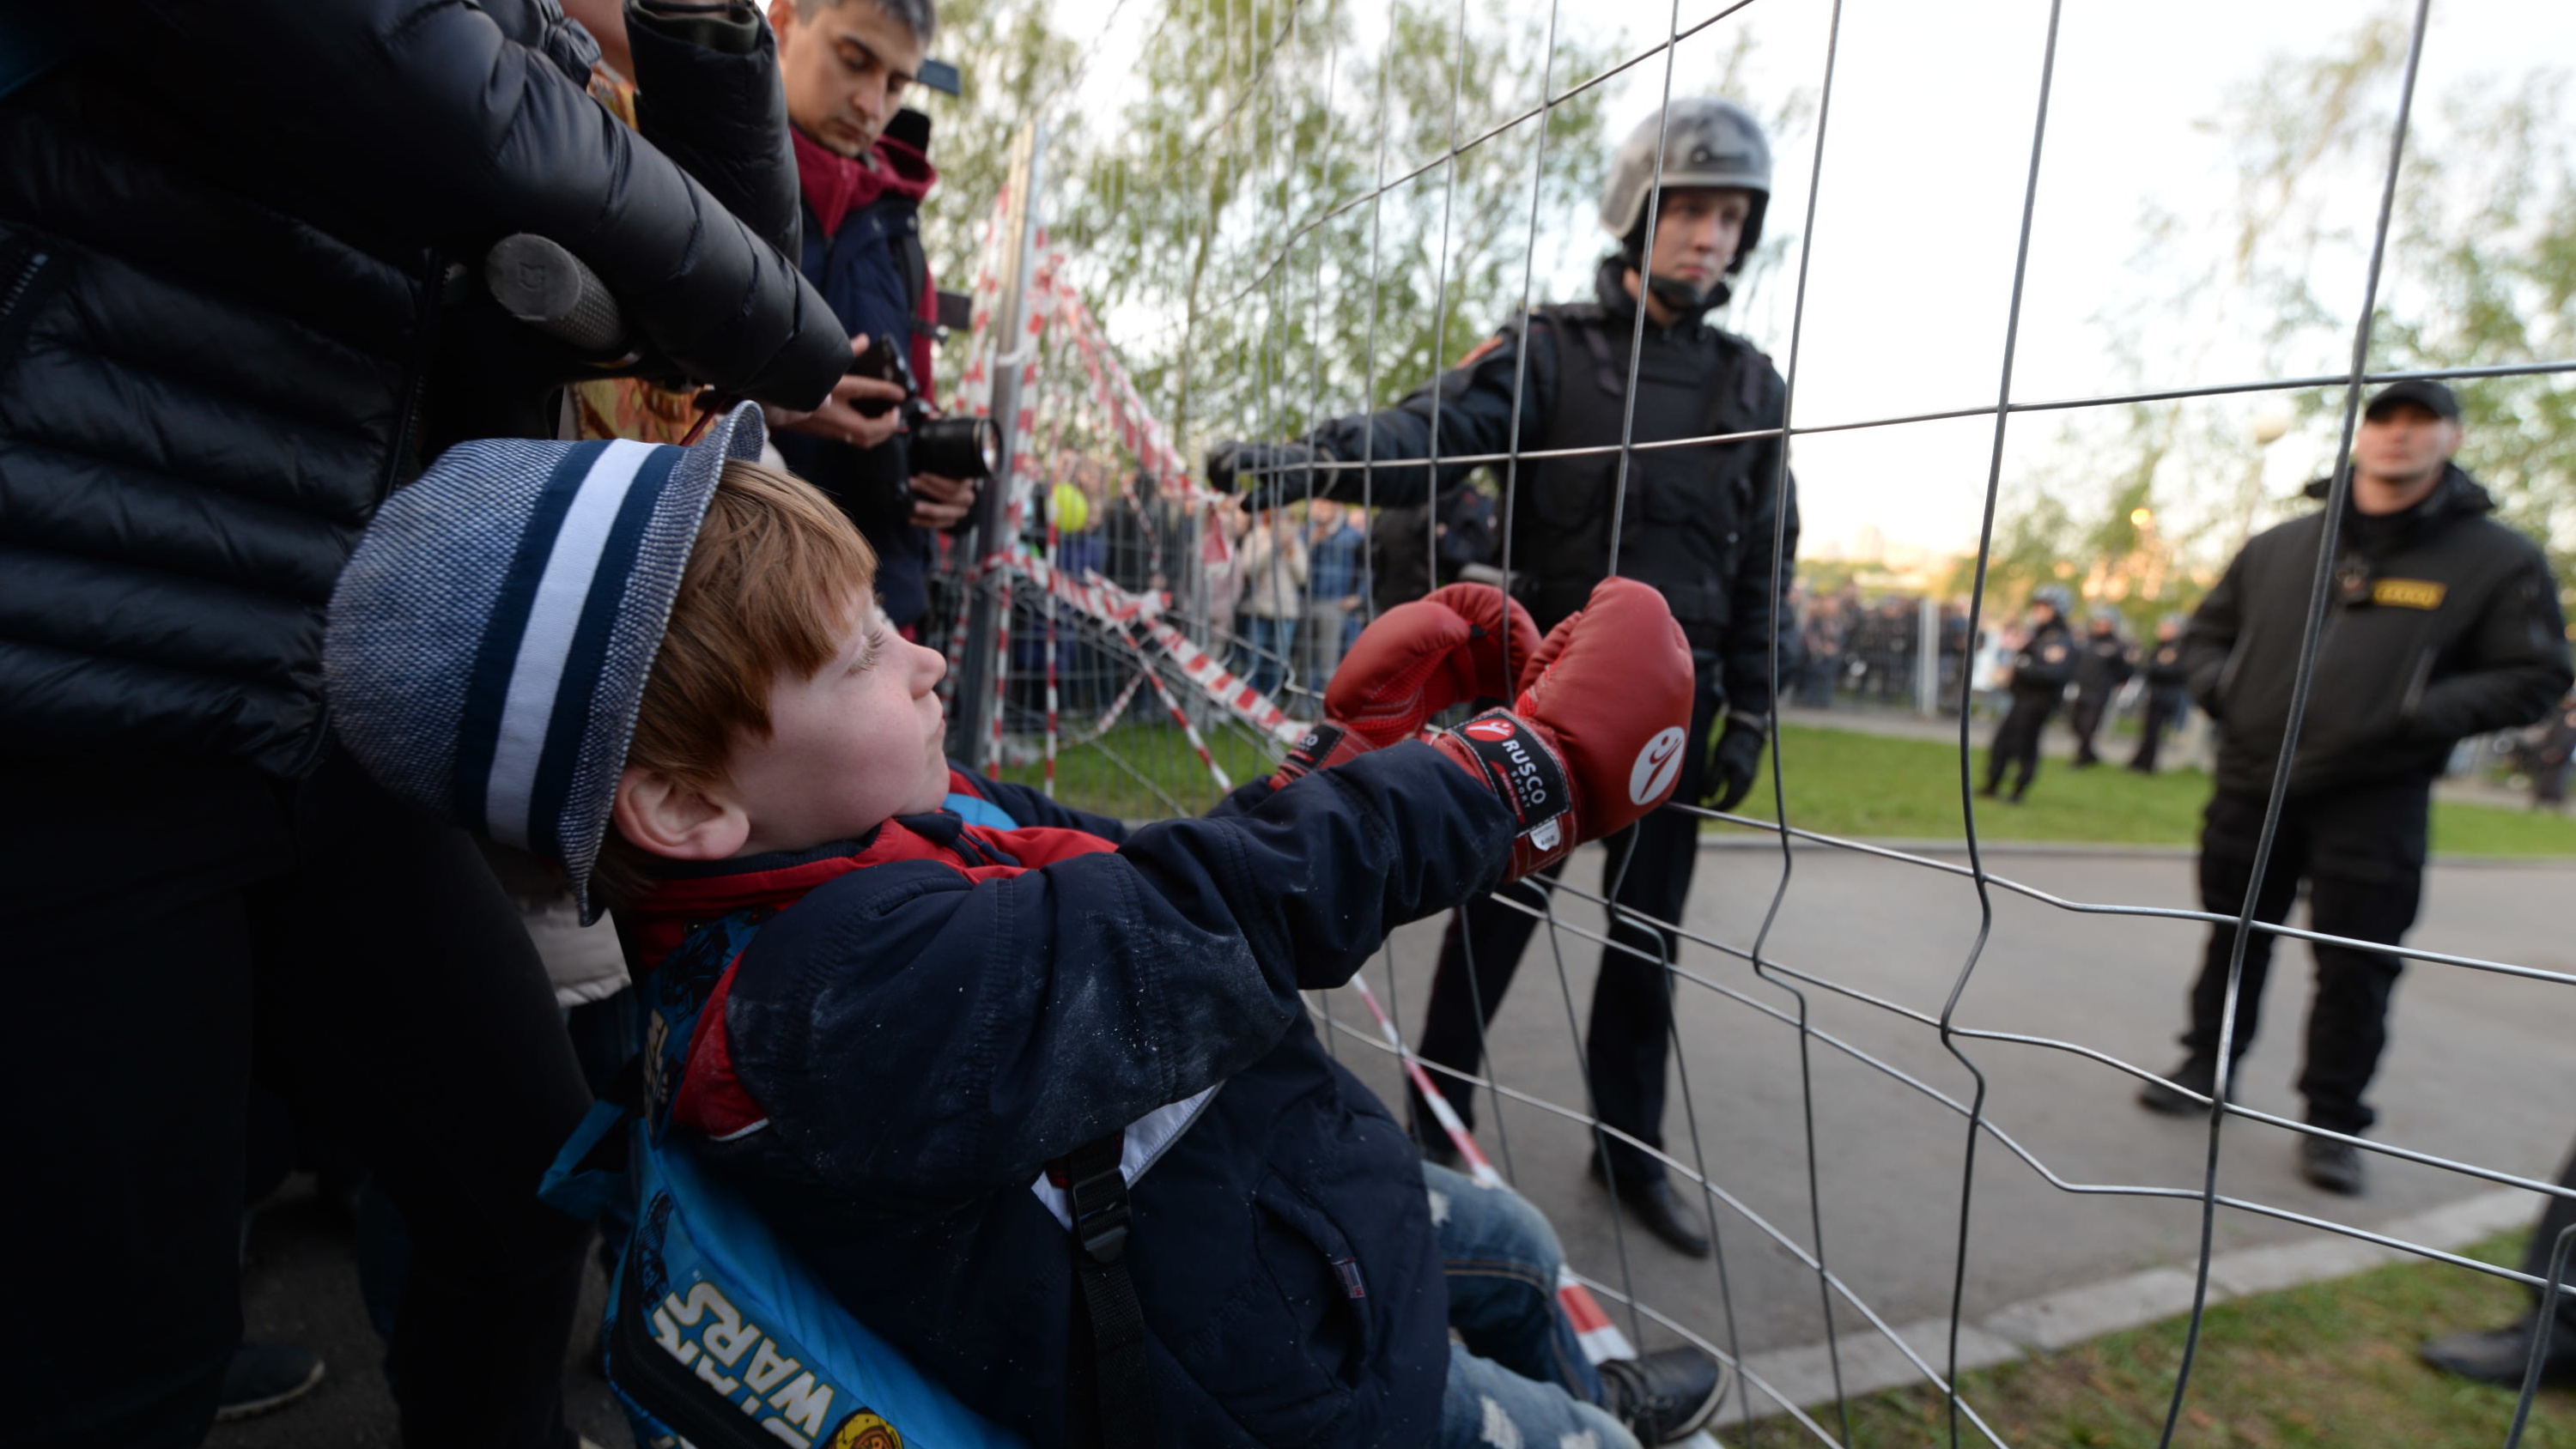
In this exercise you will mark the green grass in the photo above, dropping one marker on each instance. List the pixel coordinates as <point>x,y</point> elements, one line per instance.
<point>1843,782</point>
<point>1840,782</point>
<point>1112,777</point>
<point>2329,1364</point>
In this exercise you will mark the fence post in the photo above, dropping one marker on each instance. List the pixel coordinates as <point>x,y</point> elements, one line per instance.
<point>1927,656</point>
<point>970,721</point>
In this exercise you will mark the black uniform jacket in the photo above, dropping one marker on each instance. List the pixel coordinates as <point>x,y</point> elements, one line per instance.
<point>2441,623</point>
<point>1709,550</point>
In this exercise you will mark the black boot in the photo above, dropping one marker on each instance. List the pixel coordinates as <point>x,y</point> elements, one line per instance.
<point>2332,1165</point>
<point>1665,1396</point>
<point>2501,1355</point>
<point>2196,1074</point>
<point>266,1376</point>
<point>1655,1204</point>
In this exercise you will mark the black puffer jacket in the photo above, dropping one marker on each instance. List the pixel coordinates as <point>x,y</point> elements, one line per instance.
<point>223,243</point>
<point>2442,623</point>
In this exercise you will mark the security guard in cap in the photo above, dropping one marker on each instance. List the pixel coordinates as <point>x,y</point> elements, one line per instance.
<point>2444,624</point>
<point>1699,523</point>
<point>2040,672</point>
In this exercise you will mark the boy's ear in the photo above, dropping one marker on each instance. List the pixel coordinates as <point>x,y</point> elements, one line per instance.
<point>658,814</point>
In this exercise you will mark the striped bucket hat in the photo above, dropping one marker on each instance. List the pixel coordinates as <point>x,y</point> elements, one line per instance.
<point>489,640</point>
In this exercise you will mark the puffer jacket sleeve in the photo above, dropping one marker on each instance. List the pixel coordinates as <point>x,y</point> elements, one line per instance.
<point>449,125</point>
<point>911,1030</point>
<point>720,112</point>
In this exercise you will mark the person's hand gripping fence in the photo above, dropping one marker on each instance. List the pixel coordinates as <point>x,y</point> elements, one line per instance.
<point>1266,475</point>
<point>1596,738</point>
<point>1462,643</point>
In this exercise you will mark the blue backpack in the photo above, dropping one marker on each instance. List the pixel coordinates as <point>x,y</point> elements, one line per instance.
<point>715,1334</point>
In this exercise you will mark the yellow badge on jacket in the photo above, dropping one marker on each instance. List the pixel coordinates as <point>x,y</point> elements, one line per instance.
<point>2407,593</point>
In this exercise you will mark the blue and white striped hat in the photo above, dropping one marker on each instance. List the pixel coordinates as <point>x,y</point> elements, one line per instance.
<point>490,638</point>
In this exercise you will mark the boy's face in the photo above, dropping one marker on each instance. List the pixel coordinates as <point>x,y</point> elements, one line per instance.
<point>860,742</point>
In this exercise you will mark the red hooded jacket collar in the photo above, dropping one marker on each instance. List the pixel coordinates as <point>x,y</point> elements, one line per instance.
<point>836,185</point>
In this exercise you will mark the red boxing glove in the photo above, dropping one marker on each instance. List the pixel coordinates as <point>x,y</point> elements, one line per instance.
<point>1463,642</point>
<point>1596,739</point>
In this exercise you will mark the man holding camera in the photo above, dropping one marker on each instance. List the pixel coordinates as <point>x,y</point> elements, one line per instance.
<point>846,65</point>
<point>1699,523</point>
<point>2443,624</point>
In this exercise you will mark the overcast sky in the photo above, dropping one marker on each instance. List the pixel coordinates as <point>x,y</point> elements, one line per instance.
<point>1928,147</point>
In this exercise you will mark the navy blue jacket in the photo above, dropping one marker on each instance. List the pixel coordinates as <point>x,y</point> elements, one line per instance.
<point>943,1007</point>
<point>861,269</point>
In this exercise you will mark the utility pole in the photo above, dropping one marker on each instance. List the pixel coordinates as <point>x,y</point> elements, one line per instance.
<point>970,733</point>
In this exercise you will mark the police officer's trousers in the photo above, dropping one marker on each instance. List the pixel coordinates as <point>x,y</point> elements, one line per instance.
<point>2165,709</point>
<point>1647,869</point>
<point>2016,740</point>
<point>2084,716</point>
<point>2361,851</point>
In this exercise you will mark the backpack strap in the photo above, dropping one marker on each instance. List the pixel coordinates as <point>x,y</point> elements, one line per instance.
<point>1096,1191</point>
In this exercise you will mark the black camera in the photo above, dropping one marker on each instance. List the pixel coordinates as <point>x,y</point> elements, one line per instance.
<point>962,448</point>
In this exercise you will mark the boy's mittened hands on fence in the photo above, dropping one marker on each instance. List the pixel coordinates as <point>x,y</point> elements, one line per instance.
<point>1596,739</point>
<point>1463,642</point>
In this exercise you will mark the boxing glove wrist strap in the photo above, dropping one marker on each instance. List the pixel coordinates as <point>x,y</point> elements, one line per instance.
<point>1523,771</point>
<point>1325,743</point>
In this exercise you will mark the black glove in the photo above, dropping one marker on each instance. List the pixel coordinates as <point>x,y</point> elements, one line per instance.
<point>1734,762</point>
<point>1267,474</point>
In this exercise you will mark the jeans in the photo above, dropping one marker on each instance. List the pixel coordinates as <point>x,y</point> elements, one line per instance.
<point>1517,1375</point>
<point>2361,850</point>
<point>160,916</point>
<point>1272,639</point>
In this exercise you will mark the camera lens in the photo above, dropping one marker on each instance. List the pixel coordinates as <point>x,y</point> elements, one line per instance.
<point>962,448</point>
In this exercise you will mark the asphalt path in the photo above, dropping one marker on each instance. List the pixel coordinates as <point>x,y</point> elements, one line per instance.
<point>2478,1070</point>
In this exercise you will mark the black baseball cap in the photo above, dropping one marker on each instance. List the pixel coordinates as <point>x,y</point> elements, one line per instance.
<point>2431,396</point>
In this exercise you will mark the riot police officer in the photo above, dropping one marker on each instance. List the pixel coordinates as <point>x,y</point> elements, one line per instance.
<point>1699,523</point>
<point>2168,692</point>
<point>2040,670</point>
<point>2104,664</point>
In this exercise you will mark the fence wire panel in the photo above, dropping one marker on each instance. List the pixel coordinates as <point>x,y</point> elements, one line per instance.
<point>1900,1074</point>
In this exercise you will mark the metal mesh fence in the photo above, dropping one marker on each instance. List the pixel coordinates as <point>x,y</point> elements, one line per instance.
<point>1143,643</point>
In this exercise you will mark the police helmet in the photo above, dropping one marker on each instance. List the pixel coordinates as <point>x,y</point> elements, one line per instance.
<point>1706,142</point>
<point>2056,597</point>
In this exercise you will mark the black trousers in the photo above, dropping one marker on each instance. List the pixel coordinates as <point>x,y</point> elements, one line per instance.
<point>157,921</point>
<point>2164,711</point>
<point>2016,740</point>
<point>1626,1047</point>
<point>2084,716</point>
<point>2361,852</point>
<point>2557,1217</point>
